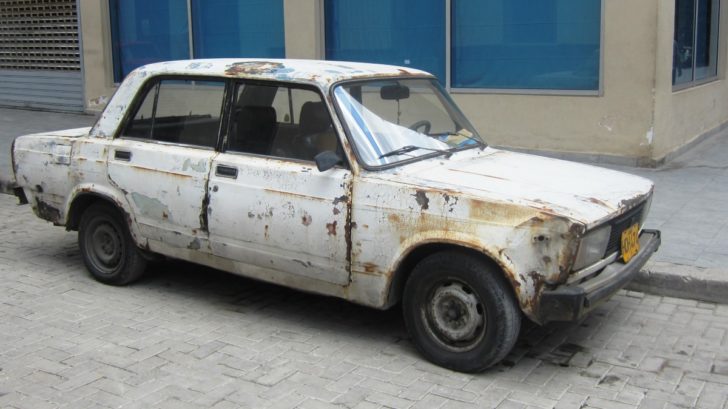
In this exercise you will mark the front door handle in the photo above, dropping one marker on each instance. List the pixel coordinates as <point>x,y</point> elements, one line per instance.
<point>122,155</point>
<point>226,171</point>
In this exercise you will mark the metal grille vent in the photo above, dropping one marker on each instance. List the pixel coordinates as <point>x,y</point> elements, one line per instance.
<point>39,35</point>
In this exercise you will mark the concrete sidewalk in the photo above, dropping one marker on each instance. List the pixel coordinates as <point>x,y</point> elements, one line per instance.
<point>690,207</point>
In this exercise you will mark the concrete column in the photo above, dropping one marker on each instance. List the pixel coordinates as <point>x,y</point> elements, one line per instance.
<point>304,28</point>
<point>96,43</point>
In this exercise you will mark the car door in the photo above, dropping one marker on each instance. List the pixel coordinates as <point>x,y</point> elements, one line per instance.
<point>162,158</point>
<point>269,205</point>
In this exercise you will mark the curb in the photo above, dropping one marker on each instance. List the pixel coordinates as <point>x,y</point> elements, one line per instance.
<point>682,281</point>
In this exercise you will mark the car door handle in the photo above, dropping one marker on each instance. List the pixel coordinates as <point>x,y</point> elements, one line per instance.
<point>122,155</point>
<point>226,171</point>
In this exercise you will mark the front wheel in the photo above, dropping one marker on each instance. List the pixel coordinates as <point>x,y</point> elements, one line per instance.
<point>107,248</point>
<point>460,312</point>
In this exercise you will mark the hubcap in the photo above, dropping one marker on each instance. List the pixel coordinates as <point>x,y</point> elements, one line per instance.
<point>455,316</point>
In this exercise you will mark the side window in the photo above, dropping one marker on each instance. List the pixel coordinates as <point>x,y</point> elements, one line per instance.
<point>179,111</point>
<point>280,121</point>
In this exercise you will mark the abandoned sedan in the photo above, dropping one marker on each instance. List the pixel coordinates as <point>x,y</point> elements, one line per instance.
<point>352,180</point>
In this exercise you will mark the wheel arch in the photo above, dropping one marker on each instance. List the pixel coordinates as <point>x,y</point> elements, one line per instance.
<point>83,197</point>
<point>417,253</point>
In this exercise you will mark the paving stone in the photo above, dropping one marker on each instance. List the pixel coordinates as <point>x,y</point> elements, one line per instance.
<point>187,336</point>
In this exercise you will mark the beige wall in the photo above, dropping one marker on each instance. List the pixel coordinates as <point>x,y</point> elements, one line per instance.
<point>638,118</point>
<point>682,116</point>
<point>98,78</point>
<point>617,123</point>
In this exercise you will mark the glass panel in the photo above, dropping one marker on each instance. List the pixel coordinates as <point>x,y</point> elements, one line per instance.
<point>238,28</point>
<point>706,44</point>
<point>398,32</point>
<point>682,58</point>
<point>180,111</point>
<point>146,31</point>
<point>262,123</point>
<point>395,120</point>
<point>526,44</point>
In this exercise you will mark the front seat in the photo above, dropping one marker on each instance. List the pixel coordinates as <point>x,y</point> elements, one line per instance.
<point>316,134</point>
<point>256,128</point>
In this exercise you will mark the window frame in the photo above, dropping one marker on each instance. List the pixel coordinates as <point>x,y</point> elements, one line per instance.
<point>520,91</point>
<point>152,82</point>
<point>112,31</point>
<point>695,83</point>
<point>447,83</point>
<point>230,101</point>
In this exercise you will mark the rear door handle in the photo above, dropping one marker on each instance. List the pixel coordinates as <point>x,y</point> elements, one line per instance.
<point>226,171</point>
<point>122,155</point>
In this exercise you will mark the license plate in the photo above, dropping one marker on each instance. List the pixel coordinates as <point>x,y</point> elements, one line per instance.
<point>630,242</point>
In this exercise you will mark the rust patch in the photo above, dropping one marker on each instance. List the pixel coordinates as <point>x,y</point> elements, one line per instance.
<point>422,200</point>
<point>47,212</point>
<point>306,219</point>
<point>393,218</point>
<point>370,267</point>
<point>254,68</point>
<point>336,211</point>
<point>331,228</point>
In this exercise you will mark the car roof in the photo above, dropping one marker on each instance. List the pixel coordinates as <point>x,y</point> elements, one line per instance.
<point>323,73</point>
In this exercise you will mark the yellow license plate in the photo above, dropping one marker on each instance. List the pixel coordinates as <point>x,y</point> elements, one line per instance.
<point>630,242</point>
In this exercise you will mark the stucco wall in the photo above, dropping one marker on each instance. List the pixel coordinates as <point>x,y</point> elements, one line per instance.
<point>96,43</point>
<point>682,116</point>
<point>638,117</point>
<point>616,123</point>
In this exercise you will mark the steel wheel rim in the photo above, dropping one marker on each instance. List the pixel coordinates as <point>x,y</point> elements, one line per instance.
<point>105,247</point>
<point>454,316</point>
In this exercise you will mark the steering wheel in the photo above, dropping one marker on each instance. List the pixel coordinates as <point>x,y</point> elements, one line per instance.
<point>425,124</point>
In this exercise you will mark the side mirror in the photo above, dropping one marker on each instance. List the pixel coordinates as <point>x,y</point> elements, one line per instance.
<point>326,160</point>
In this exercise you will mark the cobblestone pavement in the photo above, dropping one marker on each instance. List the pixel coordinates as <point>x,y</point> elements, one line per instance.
<point>187,336</point>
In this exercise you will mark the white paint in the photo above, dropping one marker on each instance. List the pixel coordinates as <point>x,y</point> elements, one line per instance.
<point>275,220</point>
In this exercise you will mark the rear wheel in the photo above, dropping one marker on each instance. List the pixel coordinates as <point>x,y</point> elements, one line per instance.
<point>107,248</point>
<point>460,312</point>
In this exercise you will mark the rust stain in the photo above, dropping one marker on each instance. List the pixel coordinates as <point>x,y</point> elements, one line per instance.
<point>336,211</point>
<point>393,218</point>
<point>306,219</point>
<point>331,228</point>
<point>370,267</point>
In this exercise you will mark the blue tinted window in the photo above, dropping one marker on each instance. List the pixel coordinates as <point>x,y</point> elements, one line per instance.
<point>146,31</point>
<point>238,28</point>
<point>526,44</point>
<point>398,32</point>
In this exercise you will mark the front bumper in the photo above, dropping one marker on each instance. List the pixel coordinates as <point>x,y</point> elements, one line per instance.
<point>572,302</point>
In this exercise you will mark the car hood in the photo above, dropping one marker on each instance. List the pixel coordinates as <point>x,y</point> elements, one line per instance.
<point>584,193</point>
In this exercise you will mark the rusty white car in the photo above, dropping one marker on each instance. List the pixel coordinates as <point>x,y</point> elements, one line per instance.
<point>358,181</point>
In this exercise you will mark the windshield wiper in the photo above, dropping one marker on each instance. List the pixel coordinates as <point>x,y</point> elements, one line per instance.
<point>410,148</point>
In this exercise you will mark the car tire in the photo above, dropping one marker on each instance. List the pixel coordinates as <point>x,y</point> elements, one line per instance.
<point>107,248</point>
<point>460,311</point>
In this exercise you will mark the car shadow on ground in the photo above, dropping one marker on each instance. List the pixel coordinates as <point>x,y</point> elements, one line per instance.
<point>556,344</point>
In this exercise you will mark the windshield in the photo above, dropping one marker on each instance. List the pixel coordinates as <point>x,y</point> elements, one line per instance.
<point>395,120</point>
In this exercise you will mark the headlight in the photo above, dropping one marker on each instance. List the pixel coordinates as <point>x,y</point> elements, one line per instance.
<point>592,247</point>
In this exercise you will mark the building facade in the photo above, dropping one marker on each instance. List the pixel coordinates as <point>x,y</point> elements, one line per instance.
<point>616,81</point>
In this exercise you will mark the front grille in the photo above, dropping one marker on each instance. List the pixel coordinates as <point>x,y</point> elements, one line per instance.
<point>620,224</point>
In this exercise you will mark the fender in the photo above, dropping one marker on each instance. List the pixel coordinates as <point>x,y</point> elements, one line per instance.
<point>109,194</point>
